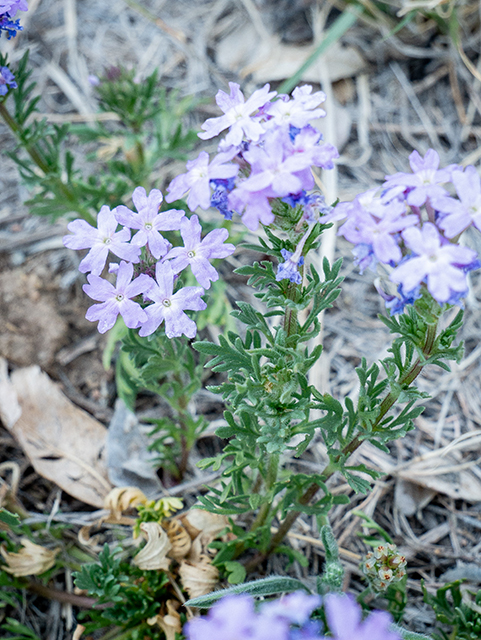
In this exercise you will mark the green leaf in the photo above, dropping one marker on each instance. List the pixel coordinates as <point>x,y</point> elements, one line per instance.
<point>16,627</point>
<point>236,571</point>
<point>264,587</point>
<point>10,519</point>
<point>409,635</point>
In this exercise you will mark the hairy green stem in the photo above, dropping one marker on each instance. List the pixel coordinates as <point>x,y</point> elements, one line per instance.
<point>271,477</point>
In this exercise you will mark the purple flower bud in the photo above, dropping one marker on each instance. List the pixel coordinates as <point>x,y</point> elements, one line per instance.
<point>7,80</point>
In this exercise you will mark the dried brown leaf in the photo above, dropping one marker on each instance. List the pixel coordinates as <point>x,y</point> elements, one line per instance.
<point>31,560</point>
<point>154,554</point>
<point>198,578</point>
<point>64,443</point>
<point>199,522</point>
<point>269,59</point>
<point>179,538</point>
<point>10,410</point>
<point>122,499</point>
<point>78,633</point>
<point>169,622</point>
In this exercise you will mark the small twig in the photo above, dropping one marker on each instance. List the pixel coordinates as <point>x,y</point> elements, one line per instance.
<point>84,602</point>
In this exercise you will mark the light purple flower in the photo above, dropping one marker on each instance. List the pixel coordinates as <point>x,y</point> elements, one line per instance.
<point>443,266</point>
<point>237,115</point>
<point>457,215</point>
<point>117,299</point>
<point>344,616</point>
<point>100,241</point>
<point>7,80</point>
<point>12,6</point>
<point>373,222</point>
<point>295,607</point>
<point>198,177</point>
<point>169,307</point>
<point>277,166</point>
<point>254,206</point>
<point>307,144</point>
<point>149,221</point>
<point>425,180</point>
<point>234,618</point>
<point>298,111</point>
<point>197,252</point>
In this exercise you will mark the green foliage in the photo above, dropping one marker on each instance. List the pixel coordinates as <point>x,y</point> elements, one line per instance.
<point>270,401</point>
<point>169,368</point>
<point>263,587</point>
<point>126,596</point>
<point>12,520</point>
<point>19,631</point>
<point>459,609</point>
<point>409,635</point>
<point>127,151</point>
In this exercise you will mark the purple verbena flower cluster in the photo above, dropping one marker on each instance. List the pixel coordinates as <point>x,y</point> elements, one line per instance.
<point>235,618</point>
<point>8,10</point>
<point>267,154</point>
<point>413,224</point>
<point>149,265</point>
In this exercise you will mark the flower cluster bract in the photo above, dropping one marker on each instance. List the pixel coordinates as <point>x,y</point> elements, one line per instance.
<point>8,10</point>
<point>413,224</point>
<point>149,265</point>
<point>235,618</point>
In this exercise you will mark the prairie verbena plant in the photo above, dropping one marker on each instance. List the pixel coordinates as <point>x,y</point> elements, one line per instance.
<point>408,229</point>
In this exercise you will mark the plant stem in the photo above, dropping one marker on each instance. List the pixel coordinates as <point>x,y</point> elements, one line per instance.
<point>405,379</point>
<point>271,477</point>
<point>83,602</point>
<point>37,157</point>
<point>290,317</point>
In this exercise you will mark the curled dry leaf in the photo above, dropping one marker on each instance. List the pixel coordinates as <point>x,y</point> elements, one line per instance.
<point>31,560</point>
<point>179,538</point>
<point>10,410</point>
<point>199,522</point>
<point>198,578</point>
<point>78,633</point>
<point>169,622</point>
<point>122,499</point>
<point>154,554</point>
<point>87,540</point>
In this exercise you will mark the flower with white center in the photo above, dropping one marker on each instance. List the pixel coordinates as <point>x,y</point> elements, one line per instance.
<point>198,253</point>
<point>117,299</point>
<point>100,241</point>
<point>169,307</point>
<point>441,265</point>
<point>237,115</point>
<point>149,222</point>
